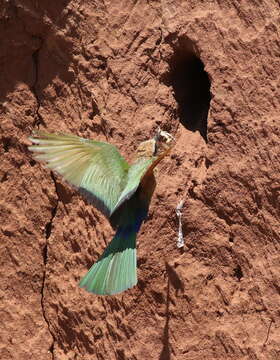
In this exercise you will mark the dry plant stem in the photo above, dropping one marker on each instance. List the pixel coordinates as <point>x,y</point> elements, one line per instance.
<point>180,239</point>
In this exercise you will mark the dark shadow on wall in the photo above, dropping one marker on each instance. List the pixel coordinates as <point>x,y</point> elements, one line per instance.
<point>174,280</point>
<point>165,352</point>
<point>191,86</point>
<point>31,50</point>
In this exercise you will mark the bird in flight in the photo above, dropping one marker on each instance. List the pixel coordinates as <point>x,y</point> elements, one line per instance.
<point>122,192</point>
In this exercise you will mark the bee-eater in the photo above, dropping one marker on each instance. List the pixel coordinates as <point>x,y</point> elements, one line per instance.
<point>122,192</point>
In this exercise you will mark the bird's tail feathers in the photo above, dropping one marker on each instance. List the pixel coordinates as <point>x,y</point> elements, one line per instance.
<point>116,270</point>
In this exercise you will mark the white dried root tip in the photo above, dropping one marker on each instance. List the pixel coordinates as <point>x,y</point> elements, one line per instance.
<point>180,240</point>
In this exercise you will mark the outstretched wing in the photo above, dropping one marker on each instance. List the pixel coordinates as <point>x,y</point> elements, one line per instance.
<point>96,168</point>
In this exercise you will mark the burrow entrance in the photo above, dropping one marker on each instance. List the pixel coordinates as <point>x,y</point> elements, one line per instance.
<point>191,85</point>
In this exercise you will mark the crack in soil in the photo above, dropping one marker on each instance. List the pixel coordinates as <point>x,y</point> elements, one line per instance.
<point>45,256</point>
<point>48,230</point>
<point>39,121</point>
<point>49,225</point>
<point>35,57</point>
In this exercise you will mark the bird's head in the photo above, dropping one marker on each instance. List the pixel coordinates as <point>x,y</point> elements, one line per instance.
<point>163,142</point>
<point>158,146</point>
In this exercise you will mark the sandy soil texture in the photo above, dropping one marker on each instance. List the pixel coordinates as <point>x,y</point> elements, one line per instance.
<point>206,71</point>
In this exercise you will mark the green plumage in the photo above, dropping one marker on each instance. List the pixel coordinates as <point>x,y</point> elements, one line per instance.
<point>122,192</point>
<point>115,271</point>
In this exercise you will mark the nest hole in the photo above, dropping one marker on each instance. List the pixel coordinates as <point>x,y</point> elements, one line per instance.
<point>191,86</point>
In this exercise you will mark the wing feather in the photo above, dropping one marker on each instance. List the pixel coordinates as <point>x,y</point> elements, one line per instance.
<point>96,168</point>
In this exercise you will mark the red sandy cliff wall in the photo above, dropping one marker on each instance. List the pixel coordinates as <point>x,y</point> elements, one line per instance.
<point>115,71</point>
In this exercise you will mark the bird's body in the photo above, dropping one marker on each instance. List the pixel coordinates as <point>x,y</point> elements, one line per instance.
<point>122,192</point>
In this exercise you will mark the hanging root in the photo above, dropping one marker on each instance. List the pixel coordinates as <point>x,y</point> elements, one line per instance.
<point>180,239</point>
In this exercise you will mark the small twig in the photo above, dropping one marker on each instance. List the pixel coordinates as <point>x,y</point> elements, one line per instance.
<point>180,239</point>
